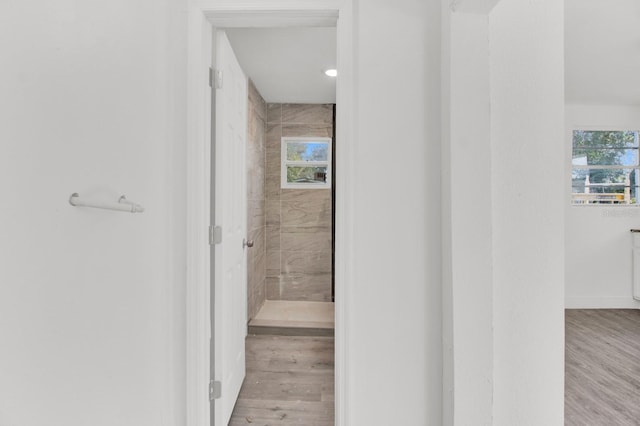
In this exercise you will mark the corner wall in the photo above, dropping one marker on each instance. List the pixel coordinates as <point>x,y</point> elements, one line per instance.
<point>467,227</point>
<point>527,163</point>
<point>394,313</point>
<point>598,249</point>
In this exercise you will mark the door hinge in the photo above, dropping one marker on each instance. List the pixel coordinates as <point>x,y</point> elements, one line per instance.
<point>215,78</point>
<point>215,390</point>
<point>215,235</point>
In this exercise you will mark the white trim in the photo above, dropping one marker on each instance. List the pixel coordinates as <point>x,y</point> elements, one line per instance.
<point>198,158</point>
<point>270,19</point>
<point>200,38</point>
<point>592,128</point>
<point>601,303</point>
<point>604,167</point>
<point>284,163</point>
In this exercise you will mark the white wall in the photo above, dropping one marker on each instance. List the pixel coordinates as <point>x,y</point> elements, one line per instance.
<point>91,301</point>
<point>394,360</point>
<point>527,162</point>
<point>598,242</point>
<point>503,229</point>
<point>467,213</point>
<point>608,31</point>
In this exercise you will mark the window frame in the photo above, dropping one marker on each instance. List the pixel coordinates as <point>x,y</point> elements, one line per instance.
<point>573,167</point>
<point>285,163</point>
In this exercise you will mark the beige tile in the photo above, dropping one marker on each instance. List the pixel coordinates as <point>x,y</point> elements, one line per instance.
<point>273,273</point>
<point>303,261</point>
<point>256,145</point>
<point>256,260</point>
<point>259,248</point>
<point>304,229</point>
<point>261,144</point>
<point>274,113</point>
<point>256,101</point>
<point>272,150</point>
<point>253,156</point>
<point>256,214</point>
<point>314,239</point>
<point>305,195</point>
<point>272,239</point>
<point>253,280</point>
<point>251,306</point>
<point>260,271</point>
<point>307,211</point>
<point>307,113</point>
<point>273,260</point>
<point>304,268</point>
<point>255,128</point>
<point>272,288</point>
<point>305,286</point>
<point>255,184</point>
<point>273,134</point>
<point>307,130</point>
<point>251,127</point>
<point>273,160</point>
<point>260,297</point>
<point>272,188</point>
<point>272,213</point>
<point>255,153</point>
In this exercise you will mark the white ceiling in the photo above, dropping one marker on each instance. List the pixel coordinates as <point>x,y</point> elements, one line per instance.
<point>602,51</point>
<point>287,64</point>
<point>602,56</point>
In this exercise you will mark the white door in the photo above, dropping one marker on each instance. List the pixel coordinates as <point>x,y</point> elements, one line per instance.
<point>230,273</point>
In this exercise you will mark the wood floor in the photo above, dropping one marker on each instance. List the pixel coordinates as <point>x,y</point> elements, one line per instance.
<point>602,367</point>
<point>289,382</point>
<point>290,379</point>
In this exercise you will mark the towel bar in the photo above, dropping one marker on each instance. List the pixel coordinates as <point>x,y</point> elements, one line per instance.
<point>123,205</point>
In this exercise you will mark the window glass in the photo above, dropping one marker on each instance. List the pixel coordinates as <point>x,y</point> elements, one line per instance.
<point>306,174</point>
<point>605,167</point>
<point>307,151</point>
<point>306,163</point>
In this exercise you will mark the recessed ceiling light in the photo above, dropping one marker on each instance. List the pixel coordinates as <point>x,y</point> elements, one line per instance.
<point>331,72</point>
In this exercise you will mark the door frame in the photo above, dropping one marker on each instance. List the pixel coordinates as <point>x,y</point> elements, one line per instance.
<point>202,15</point>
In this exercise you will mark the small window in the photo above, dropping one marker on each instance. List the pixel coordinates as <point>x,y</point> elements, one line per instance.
<point>605,167</point>
<point>306,163</point>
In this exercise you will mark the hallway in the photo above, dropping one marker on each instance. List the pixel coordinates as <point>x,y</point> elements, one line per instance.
<point>289,382</point>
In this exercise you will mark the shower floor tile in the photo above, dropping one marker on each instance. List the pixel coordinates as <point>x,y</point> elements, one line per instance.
<point>294,318</point>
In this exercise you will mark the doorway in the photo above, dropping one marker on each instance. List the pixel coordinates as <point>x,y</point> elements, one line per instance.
<point>601,305</point>
<point>202,22</point>
<point>290,176</point>
<point>290,150</point>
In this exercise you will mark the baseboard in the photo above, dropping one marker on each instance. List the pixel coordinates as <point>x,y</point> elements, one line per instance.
<point>601,303</point>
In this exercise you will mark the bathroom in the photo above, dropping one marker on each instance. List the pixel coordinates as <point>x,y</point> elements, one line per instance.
<point>290,217</point>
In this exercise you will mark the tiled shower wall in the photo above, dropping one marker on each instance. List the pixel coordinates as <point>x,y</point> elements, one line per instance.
<point>256,256</point>
<point>298,221</point>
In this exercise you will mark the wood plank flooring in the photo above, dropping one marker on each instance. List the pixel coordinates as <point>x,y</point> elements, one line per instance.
<point>289,382</point>
<point>602,367</point>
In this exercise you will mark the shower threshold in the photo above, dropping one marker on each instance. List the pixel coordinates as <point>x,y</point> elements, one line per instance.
<point>294,318</point>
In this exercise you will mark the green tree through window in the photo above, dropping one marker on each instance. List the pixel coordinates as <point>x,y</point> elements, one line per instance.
<point>306,162</point>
